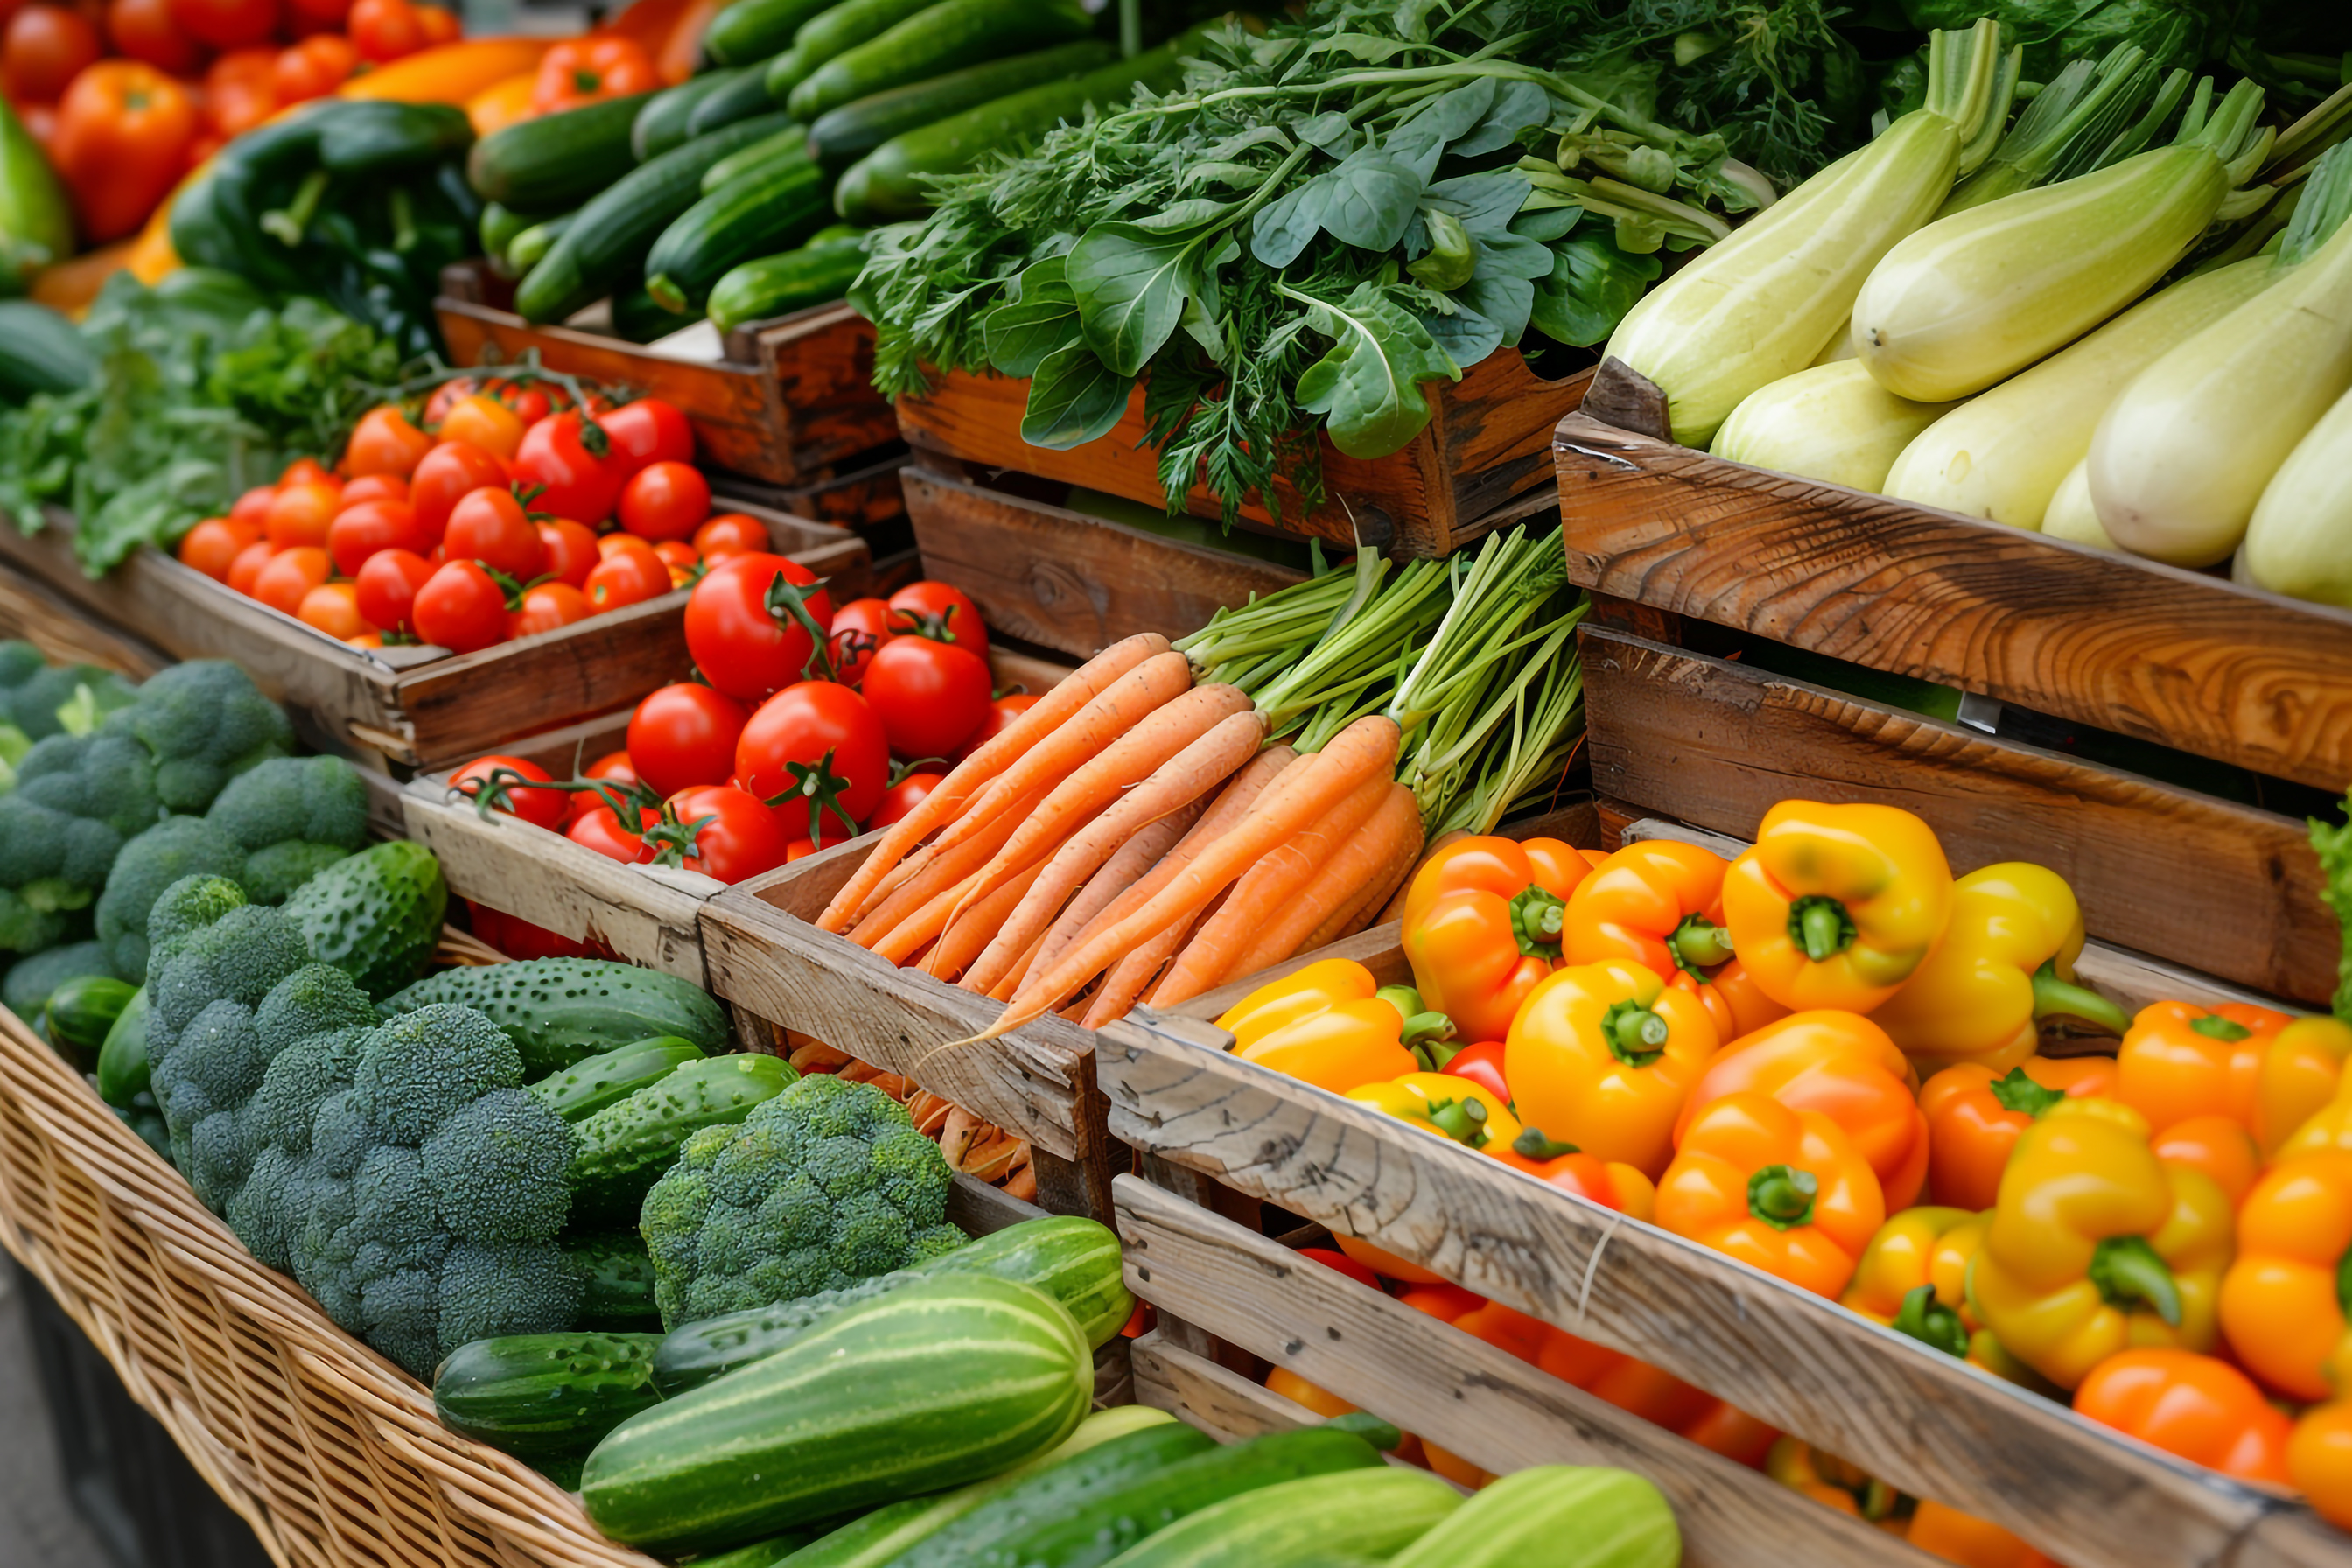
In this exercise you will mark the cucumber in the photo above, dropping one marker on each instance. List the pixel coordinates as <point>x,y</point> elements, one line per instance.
<point>764,1554</point>
<point>841,136</point>
<point>559,1010</point>
<point>939,38</point>
<point>783,74</point>
<point>1047,1495</point>
<point>837,30</point>
<point>527,249</point>
<point>640,318</point>
<point>375,915</point>
<point>625,1148</point>
<point>372,138</point>
<point>785,146</point>
<point>751,31</point>
<point>1555,1516</point>
<point>123,1059</point>
<point>499,224</point>
<point>745,95</point>
<point>1074,1261</point>
<point>40,351</point>
<point>557,161</point>
<point>779,285</point>
<point>82,1011</point>
<point>588,1086</point>
<point>615,229</point>
<point>769,209</point>
<point>36,221</point>
<point>1371,1514</point>
<point>661,124</point>
<point>536,1396</point>
<point>617,1294</point>
<point>947,1381</point>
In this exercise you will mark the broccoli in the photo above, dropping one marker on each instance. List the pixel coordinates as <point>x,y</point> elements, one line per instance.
<point>34,696</point>
<point>826,1185</point>
<point>174,848</point>
<point>183,908</point>
<point>204,1044</point>
<point>77,798</point>
<point>293,816</point>
<point>423,1066</point>
<point>205,722</point>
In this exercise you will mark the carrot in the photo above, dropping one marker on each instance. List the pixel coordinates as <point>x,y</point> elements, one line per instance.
<point>1365,748</point>
<point>1174,782</point>
<point>1391,874</point>
<point>918,931</point>
<point>1127,864</point>
<point>1279,883</point>
<point>1394,909</point>
<point>1349,885</point>
<point>1076,691</point>
<point>938,873</point>
<point>1002,990</point>
<point>981,912</point>
<point>1133,975</point>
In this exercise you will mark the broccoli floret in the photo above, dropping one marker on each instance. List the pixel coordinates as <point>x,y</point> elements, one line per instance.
<point>298,1083</point>
<point>826,1185</point>
<point>52,865</point>
<point>400,1312</point>
<point>107,778</point>
<point>515,1288</point>
<point>205,722</point>
<point>339,1136</point>
<point>319,799</point>
<point>316,999</point>
<point>422,1066</point>
<point>184,909</point>
<point>173,849</point>
<point>496,1169</point>
<point>391,1198</point>
<point>36,701</point>
<point>19,662</point>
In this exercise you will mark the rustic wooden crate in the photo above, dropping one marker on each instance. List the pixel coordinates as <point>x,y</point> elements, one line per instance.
<point>420,707</point>
<point>1480,462</point>
<point>792,396</point>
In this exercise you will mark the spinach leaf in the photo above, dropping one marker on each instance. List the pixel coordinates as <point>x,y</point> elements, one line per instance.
<point>1045,318</point>
<point>1130,283</point>
<point>1368,385</point>
<point>1592,285</point>
<point>1451,114</point>
<point>1371,200</point>
<point>1484,203</point>
<point>1073,399</point>
<point>1287,225</point>
<point>1513,254</point>
<point>1547,224</point>
<point>1466,336</point>
<point>1518,106</point>
<point>1331,131</point>
<point>1502,299</point>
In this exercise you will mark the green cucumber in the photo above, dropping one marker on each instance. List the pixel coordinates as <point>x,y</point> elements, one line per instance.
<point>751,31</point>
<point>765,1553</point>
<point>617,1291</point>
<point>365,139</point>
<point>1016,1513</point>
<point>841,136</point>
<point>936,39</point>
<point>560,1010</point>
<point>1074,1261</point>
<point>783,74</point>
<point>40,351</point>
<point>947,1381</point>
<point>839,29</point>
<point>786,146</point>
<point>769,209</point>
<point>661,124</point>
<point>625,1148</point>
<point>535,1395</point>
<point>82,1011</point>
<point>744,95</point>
<point>1555,1516</point>
<point>615,229</point>
<point>586,1087</point>
<point>499,224</point>
<point>640,318</point>
<point>1371,1514</point>
<point>123,1064</point>
<point>779,285</point>
<point>556,161</point>
<point>527,249</point>
<point>375,915</point>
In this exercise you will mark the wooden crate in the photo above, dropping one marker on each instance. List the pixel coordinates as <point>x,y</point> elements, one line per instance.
<point>419,707</point>
<point>1480,462</point>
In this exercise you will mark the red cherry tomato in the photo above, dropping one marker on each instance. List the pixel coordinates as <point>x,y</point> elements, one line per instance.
<point>245,569</point>
<point>1001,715</point>
<point>599,828</point>
<point>946,608</point>
<point>461,607</point>
<point>1344,1264</point>
<point>359,532</point>
<point>449,473</point>
<point>307,471</point>
<point>301,514</point>
<point>903,797</point>
<point>489,526</point>
<point>144,30</point>
<point>802,723</point>
<point>539,807</point>
<point>580,483</point>
<point>376,487</point>
<point>253,506</point>
<point>742,646</point>
<point>548,607</point>
<point>800,849</point>
<point>931,696</point>
<point>859,627</point>
<point>612,767</point>
<point>665,501</point>
<point>518,938</point>
<point>731,533</point>
<point>213,546</point>
<point>735,837</point>
<point>645,431</point>
<point>387,585</point>
<point>629,576</point>
<point>288,577</point>
<point>384,442</point>
<point>572,551</point>
<point>685,735</point>
<point>227,24</point>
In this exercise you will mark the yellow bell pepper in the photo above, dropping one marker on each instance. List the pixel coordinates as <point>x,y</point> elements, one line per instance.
<point>2096,1245</point>
<point>2006,962</point>
<point>1332,1024</point>
<point>2301,1073</point>
<point>1837,905</point>
<point>1449,1107</point>
<point>1601,1055</point>
<point>1912,1276</point>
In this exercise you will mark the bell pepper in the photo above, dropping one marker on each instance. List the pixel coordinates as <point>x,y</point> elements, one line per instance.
<point>2096,1245</point>
<point>1734,1004</point>
<point>1829,1480</point>
<point>1451,1108</point>
<point>1912,1277</point>
<point>2300,1072</point>
<point>1612,1184</point>
<point>1836,906</point>
<point>2177,1060</point>
<point>2217,1146</point>
<point>1975,1115</point>
<point>1330,1025</point>
<point>1843,1065</point>
<point>1657,1397</point>
<point>1482,1064</point>
<point>1482,925</point>
<point>1601,1055</point>
<point>2284,1297</point>
<point>2006,962</point>
<point>1656,902</point>
<point>1782,1189</point>
<point>1972,1543</point>
<point>2319,1461</point>
<point>2198,1406</point>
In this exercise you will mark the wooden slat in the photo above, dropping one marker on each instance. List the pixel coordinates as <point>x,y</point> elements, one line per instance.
<point>2161,870</point>
<point>1462,1394</point>
<point>1226,1404</point>
<point>820,363</point>
<point>68,633</point>
<point>2175,657</point>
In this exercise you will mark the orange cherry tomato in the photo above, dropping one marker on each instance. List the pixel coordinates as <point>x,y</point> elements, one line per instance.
<point>334,609</point>
<point>628,576</point>
<point>550,606</point>
<point>288,577</point>
<point>681,559</point>
<point>484,423</point>
<point>582,70</point>
<point>302,513</point>
<point>665,501</point>
<point>570,548</point>
<point>731,533</point>
<point>123,132</point>
<point>213,546</point>
<point>227,23</point>
<point>376,487</point>
<point>143,30</point>
<point>246,567</point>
<point>314,68</point>
<point>44,48</point>
<point>384,30</point>
<point>384,442</point>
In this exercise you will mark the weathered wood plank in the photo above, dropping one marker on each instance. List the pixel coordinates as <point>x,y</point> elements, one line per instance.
<point>2175,657</point>
<point>1226,1404</point>
<point>69,632</point>
<point>820,362</point>
<point>2162,870</point>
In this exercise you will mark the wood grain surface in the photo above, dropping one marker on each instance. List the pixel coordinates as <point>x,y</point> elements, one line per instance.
<point>68,633</point>
<point>2228,889</point>
<point>2175,657</point>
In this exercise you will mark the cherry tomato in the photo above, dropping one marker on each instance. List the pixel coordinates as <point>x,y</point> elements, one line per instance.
<point>579,482</point>
<point>461,607</point>
<point>449,473</point>
<point>745,648</point>
<point>359,532</point>
<point>387,585</point>
<point>44,48</point>
<point>143,30</point>
<point>384,30</point>
<point>384,442</point>
<point>333,608</point>
<point>858,628</point>
<point>227,24</point>
<point>731,533</point>
<point>240,92</point>
<point>376,487</point>
<point>483,422</point>
<point>289,574</point>
<point>519,939</point>
<point>314,68</point>
<point>612,767</point>
<point>735,835</point>
<point>599,828</point>
<point>306,17</point>
<point>447,395</point>
<point>572,551</point>
<point>490,526</point>
<point>247,568</point>
<point>213,546</point>
<point>253,506</point>
<point>945,609</point>
<point>681,559</point>
<point>1001,715</point>
<point>932,696</point>
<point>307,471</point>
<point>548,607</point>
<point>627,576</point>
<point>903,797</point>
<point>801,849</point>
<point>665,501</point>
<point>684,735</point>
<point>302,513</point>
<point>649,431</point>
<point>539,807</point>
<point>805,722</point>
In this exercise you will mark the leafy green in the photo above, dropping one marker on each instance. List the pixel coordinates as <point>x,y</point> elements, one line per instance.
<point>1592,286</point>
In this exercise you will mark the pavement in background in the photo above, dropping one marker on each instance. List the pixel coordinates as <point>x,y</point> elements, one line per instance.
<point>37,1522</point>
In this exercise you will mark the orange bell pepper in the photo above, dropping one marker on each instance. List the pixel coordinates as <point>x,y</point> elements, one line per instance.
<point>503,103</point>
<point>1656,1396</point>
<point>1601,1055</point>
<point>1782,1189</point>
<point>2283,1298</point>
<point>1975,1115</point>
<point>2177,1060</point>
<point>2198,1406</point>
<point>1734,1004</point>
<point>2319,1461</point>
<point>2301,1073</point>
<point>1841,1065</point>
<point>1837,905</point>
<point>1656,902</point>
<point>448,73</point>
<point>1298,1390</point>
<point>1612,1184</point>
<point>1972,1543</point>
<point>2216,1145</point>
<point>1829,1480</point>
<point>1482,923</point>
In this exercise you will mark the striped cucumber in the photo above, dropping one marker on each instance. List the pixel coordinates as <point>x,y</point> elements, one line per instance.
<point>1371,1515</point>
<point>841,136</point>
<point>769,209</point>
<point>1555,1516</point>
<point>626,1147</point>
<point>935,40</point>
<point>943,1383</point>
<point>536,1396</point>
<point>817,274</point>
<point>585,1088</point>
<point>1050,1495</point>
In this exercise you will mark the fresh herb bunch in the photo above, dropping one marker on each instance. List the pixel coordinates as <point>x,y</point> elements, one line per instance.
<point>1322,218</point>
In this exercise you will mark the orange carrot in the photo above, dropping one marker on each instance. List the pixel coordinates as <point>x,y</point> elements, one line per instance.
<point>1120,872</point>
<point>938,873</point>
<point>1076,691</point>
<point>1365,748</point>
<point>1132,976</point>
<point>981,913</point>
<point>918,930</point>
<point>1002,990</point>
<point>1351,885</point>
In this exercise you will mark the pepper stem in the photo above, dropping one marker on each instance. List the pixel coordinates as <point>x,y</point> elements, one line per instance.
<point>1532,1144</point>
<point>1699,944</point>
<point>2214,1027</point>
<point>1931,1323</point>
<point>2344,1281</point>
<point>286,225</point>
<point>2015,1091</point>
<point>1536,917</point>
<point>2128,1274</point>
<point>1819,924</point>
<point>1636,1036</point>
<point>2054,997</point>
<point>1463,1119</point>
<point>1782,1196</point>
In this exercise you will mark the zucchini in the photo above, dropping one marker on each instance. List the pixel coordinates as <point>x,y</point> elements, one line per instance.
<point>1555,1516</point>
<point>82,1011</point>
<point>40,351</point>
<point>766,210</point>
<point>1012,1515</point>
<point>661,124</point>
<point>618,226</point>
<point>557,161</point>
<point>559,1010</point>
<point>625,1148</point>
<point>751,31</point>
<point>1369,1514</point>
<point>839,137</point>
<point>1074,1261</point>
<point>745,95</point>
<point>540,1395</point>
<point>786,146</point>
<point>938,39</point>
<point>527,249</point>
<point>617,1289</point>
<point>947,1381</point>
<point>122,1058</point>
<point>588,1086</point>
<point>779,285</point>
